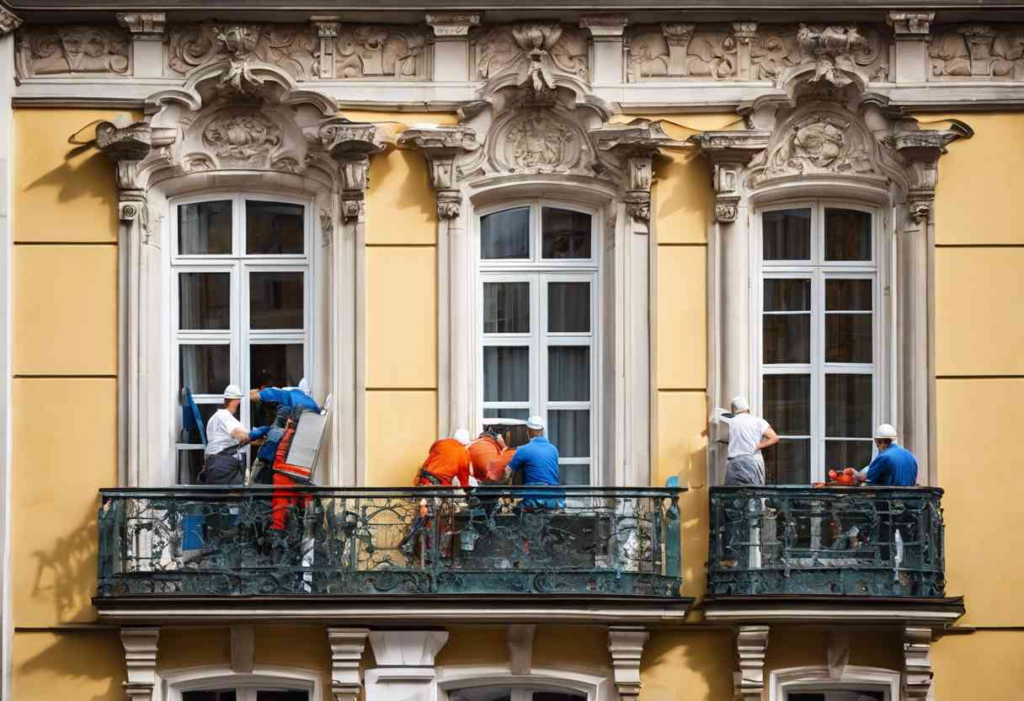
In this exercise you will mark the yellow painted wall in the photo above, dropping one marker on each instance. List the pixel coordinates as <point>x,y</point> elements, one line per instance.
<point>191,647</point>
<point>982,665</point>
<point>400,428</point>
<point>85,666</point>
<point>692,665</point>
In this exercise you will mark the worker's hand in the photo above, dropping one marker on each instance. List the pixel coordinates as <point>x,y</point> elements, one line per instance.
<point>501,442</point>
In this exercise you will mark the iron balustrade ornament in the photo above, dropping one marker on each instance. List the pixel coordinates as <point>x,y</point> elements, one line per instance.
<point>222,541</point>
<point>867,541</point>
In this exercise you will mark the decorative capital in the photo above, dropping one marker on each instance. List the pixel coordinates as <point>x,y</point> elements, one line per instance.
<point>733,146</point>
<point>124,143</point>
<point>8,21</point>
<point>640,136</point>
<point>143,24</point>
<point>349,141</point>
<point>602,26</point>
<point>916,25</point>
<point>450,24</point>
<point>441,146</point>
<point>678,33</point>
<point>744,32</point>
<point>726,209</point>
<point>626,646</point>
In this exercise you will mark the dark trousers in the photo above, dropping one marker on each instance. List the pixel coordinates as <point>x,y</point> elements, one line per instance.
<point>226,467</point>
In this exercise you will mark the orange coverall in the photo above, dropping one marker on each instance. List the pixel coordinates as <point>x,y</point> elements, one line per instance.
<point>489,460</point>
<point>447,458</point>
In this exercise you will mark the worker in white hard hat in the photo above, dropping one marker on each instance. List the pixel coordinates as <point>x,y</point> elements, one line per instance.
<point>748,436</point>
<point>893,466</point>
<point>538,461</point>
<point>225,436</point>
<point>447,462</point>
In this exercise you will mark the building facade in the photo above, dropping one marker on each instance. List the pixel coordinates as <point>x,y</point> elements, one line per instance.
<point>615,216</point>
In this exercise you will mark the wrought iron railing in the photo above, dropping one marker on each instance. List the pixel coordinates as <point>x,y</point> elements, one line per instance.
<point>328,541</point>
<point>868,541</point>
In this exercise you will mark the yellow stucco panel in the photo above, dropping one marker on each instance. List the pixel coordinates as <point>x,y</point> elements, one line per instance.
<point>979,438</point>
<point>62,192</point>
<point>982,665</point>
<point>400,428</point>
<point>64,450</point>
<point>977,198</point>
<point>194,647</point>
<point>978,311</point>
<point>571,647</point>
<point>81,665</point>
<point>688,666</point>
<point>401,317</point>
<point>681,343</point>
<point>475,645</point>
<point>65,310</point>
<point>807,646</point>
<point>401,205</point>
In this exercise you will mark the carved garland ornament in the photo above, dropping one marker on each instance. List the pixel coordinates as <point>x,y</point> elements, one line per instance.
<point>241,137</point>
<point>73,49</point>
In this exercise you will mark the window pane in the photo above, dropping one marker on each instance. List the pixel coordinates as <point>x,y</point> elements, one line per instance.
<point>490,693</point>
<point>204,301</point>
<point>787,338</point>
<point>566,234</point>
<point>569,307</point>
<point>787,404</point>
<point>276,300</point>
<point>506,307</point>
<point>569,430</point>
<point>274,228</point>
<point>847,234</point>
<point>840,454</point>
<point>494,413</point>
<point>189,434</point>
<point>282,695</point>
<point>204,228</point>
<point>787,295</point>
<point>788,462</point>
<point>569,374</point>
<point>213,695</point>
<point>505,234</point>
<point>572,475</point>
<point>848,338</point>
<point>848,295</point>
<point>557,696</point>
<point>190,464</point>
<point>848,406</point>
<point>273,365</point>
<point>205,369</point>
<point>506,374</point>
<point>787,234</point>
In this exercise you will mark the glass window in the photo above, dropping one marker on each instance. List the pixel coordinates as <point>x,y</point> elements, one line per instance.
<point>786,234</point>
<point>276,300</point>
<point>566,234</point>
<point>504,693</point>
<point>505,234</point>
<point>847,234</point>
<point>204,229</point>
<point>274,228</point>
<point>569,373</point>
<point>205,369</point>
<point>787,321</point>
<point>569,307</point>
<point>506,307</point>
<point>507,374</point>
<point>204,301</point>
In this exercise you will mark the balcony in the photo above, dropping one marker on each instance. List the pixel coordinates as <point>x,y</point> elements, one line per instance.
<point>786,552</point>
<point>601,552</point>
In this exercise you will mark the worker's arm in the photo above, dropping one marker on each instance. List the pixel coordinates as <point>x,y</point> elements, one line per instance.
<point>257,433</point>
<point>240,435</point>
<point>768,439</point>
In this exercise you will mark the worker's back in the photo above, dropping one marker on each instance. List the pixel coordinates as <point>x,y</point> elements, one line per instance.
<point>893,467</point>
<point>446,459</point>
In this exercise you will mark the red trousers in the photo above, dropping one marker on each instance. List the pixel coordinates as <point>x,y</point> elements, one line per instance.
<point>284,499</point>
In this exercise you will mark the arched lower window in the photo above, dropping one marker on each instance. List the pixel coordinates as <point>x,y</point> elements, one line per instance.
<point>241,271</point>
<point>498,693</point>
<point>820,350</point>
<point>247,694</point>
<point>538,326</point>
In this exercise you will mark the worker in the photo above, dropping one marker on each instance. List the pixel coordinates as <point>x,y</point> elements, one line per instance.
<point>894,466</point>
<point>225,461</point>
<point>447,462</point>
<point>288,400</point>
<point>489,457</point>
<point>748,436</point>
<point>538,461</point>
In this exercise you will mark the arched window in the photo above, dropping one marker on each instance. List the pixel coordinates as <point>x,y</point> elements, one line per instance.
<point>538,329</point>
<point>222,684</point>
<point>820,353</point>
<point>242,298</point>
<point>500,693</point>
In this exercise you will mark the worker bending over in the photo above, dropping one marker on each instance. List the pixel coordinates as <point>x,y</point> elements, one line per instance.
<point>225,461</point>
<point>894,466</point>
<point>290,401</point>
<point>447,461</point>
<point>748,436</point>
<point>489,457</point>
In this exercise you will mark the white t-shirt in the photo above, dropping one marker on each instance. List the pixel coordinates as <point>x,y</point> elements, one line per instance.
<point>745,432</point>
<point>218,431</point>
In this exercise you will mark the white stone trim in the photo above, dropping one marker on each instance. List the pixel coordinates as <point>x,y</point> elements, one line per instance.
<point>751,650</point>
<point>347,646</point>
<point>812,678</point>
<point>519,638</point>
<point>140,652</point>
<point>174,683</point>
<point>769,614</point>
<point>626,647</point>
<point>917,664</point>
<point>405,664</point>
<point>597,687</point>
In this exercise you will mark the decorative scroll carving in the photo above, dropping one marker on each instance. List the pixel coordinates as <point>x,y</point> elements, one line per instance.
<point>8,21</point>
<point>242,136</point>
<point>729,153</point>
<point>818,143</point>
<point>351,144</point>
<point>375,51</point>
<point>977,51</point>
<point>679,50</point>
<point>636,144</point>
<point>772,52</point>
<point>534,51</point>
<point>73,49</point>
<point>289,46</point>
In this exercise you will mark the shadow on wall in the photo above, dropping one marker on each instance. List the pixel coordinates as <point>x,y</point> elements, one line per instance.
<point>67,572</point>
<point>405,172</point>
<point>85,666</point>
<point>694,666</point>
<point>92,176</point>
<point>687,176</point>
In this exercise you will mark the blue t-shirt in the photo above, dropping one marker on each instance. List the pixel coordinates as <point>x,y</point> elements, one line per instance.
<point>290,397</point>
<point>538,460</point>
<point>893,467</point>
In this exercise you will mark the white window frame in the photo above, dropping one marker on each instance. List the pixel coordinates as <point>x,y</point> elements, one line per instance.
<point>239,265</point>
<point>593,687</point>
<point>538,271</point>
<point>794,680</point>
<point>818,271</point>
<point>175,683</point>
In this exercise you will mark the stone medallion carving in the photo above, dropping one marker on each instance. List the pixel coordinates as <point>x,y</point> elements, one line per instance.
<point>818,144</point>
<point>241,137</point>
<point>73,49</point>
<point>536,140</point>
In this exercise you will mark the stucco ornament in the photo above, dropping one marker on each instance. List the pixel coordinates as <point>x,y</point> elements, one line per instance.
<point>834,50</point>
<point>818,143</point>
<point>290,47</point>
<point>8,21</point>
<point>535,51</point>
<point>977,51</point>
<point>73,49</point>
<point>242,137</point>
<point>680,50</point>
<point>538,142</point>
<point>377,51</point>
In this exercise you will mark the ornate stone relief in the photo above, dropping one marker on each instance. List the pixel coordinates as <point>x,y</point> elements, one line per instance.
<point>680,51</point>
<point>8,21</point>
<point>73,49</point>
<point>818,143</point>
<point>537,140</point>
<point>289,46</point>
<point>534,52</point>
<point>977,51</point>
<point>442,146</point>
<point>381,52</point>
<point>635,145</point>
<point>241,137</point>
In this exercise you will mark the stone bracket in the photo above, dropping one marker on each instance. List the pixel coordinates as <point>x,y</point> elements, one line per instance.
<point>917,664</point>
<point>729,153</point>
<point>636,144</point>
<point>626,646</point>
<point>141,646</point>
<point>520,647</point>
<point>442,146</point>
<point>347,646</point>
<point>452,24</point>
<point>751,649</point>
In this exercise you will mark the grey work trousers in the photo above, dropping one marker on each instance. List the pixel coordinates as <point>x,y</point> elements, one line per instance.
<point>745,470</point>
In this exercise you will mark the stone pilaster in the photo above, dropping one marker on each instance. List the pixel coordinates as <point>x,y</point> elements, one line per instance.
<point>347,646</point>
<point>140,652</point>
<point>520,647</point>
<point>327,28</point>
<point>607,31</point>
<point>147,30</point>
<point>917,664</point>
<point>451,44</point>
<point>351,144</point>
<point>743,33</point>
<point>751,648</point>
<point>729,153</point>
<point>911,31</point>
<point>636,145</point>
<point>626,647</point>
<point>442,146</point>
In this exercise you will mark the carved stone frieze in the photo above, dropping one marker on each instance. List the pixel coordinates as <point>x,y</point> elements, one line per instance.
<point>242,137</point>
<point>977,51</point>
<point>534,52</point>
<point>382,52</point>
<point>837,51</point>
<point>289,46</point>
<point>536,140</point>
<point>50,50</point>
<point>680,50</point>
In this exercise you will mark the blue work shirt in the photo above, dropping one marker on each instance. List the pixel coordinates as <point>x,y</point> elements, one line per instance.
<point>288,397</point>
<point>538,460</point>
<point>893,467</point>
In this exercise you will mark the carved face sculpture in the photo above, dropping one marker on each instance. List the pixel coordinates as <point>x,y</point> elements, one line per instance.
<point>820,143</point>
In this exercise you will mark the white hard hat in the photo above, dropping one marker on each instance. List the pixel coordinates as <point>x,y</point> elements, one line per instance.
<point>233,392</point>
<point>885,431</point>
<point>740,404</point>
<point>304,385</point>
<point>535,423</point>
<point>462,436</point>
